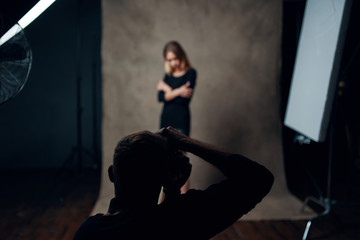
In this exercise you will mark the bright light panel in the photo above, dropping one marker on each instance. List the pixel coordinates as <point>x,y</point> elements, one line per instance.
<point>30,16</point>
<point>316,68</point>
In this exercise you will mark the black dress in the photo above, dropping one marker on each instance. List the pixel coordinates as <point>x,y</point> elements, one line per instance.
<point>176,113</point>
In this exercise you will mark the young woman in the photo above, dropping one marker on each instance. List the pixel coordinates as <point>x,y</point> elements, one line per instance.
<point>176,90</point>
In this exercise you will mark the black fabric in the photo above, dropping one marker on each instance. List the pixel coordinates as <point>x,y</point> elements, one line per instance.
<point>176,112</point>
<point>198,214</point>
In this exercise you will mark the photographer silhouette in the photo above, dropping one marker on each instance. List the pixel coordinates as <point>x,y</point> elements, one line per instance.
<point>144,162</point>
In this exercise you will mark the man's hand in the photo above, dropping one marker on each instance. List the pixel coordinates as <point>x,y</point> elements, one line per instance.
<point>179,170</point>
<point>179,167</point>
<point>176,139</point>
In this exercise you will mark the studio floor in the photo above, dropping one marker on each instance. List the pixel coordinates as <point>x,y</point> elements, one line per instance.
<point>48,204</point>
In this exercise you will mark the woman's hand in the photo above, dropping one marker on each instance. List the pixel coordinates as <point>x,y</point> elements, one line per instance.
<point>185,91</point>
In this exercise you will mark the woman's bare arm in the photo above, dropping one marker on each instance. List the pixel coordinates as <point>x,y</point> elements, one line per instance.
<point>169,93</point>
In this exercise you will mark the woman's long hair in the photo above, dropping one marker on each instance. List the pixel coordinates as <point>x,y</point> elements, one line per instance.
<point>175,47</point>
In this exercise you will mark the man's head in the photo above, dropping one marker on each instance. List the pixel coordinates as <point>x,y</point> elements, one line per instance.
<point>141,166</point>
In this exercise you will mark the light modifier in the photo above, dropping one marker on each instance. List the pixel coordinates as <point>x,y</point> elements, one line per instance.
<point>30,16</point>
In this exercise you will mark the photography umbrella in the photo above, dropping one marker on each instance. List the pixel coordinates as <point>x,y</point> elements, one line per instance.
<point>15,65</point>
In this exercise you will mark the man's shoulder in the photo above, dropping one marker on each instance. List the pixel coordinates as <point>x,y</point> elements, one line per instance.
<point>88,227</point>
<point>94,218</point>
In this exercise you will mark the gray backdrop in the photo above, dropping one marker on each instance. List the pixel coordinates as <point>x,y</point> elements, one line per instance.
<point>234,46</point>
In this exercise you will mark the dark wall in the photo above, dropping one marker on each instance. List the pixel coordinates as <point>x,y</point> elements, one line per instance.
<point>39,127</point>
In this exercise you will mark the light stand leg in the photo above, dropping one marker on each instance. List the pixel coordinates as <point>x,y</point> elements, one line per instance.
<point>326,202</point>
<point>307,229</point>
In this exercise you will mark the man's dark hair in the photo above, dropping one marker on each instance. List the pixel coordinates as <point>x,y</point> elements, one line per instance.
<point>140,162</point>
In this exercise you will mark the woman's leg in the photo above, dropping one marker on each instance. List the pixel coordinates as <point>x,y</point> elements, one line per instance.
<point>186,186</point>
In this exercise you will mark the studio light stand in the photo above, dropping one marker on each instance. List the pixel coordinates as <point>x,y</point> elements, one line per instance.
<point>324,201</point>
<point>79,150</point>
